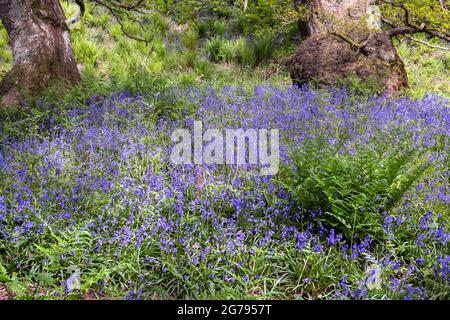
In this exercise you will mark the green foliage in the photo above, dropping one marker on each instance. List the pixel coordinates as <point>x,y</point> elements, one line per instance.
<point>189,10</point>
<point>19,288</point>
<point>245,53</point>
<point>268,16</point>
<point>219,27</point>
<point>210,27</point>
<point>203,68</point>
<point>353,191</point>
<point>189,58</point>
<point>428,69</point>
<point>255,51</point>
<point>220,49</point>
<point>359,88</point>
<point>158,22</point>
<point>85,51</point>
<point>3,274</point>
<point>203,27</point>
<point>5,53</point>
<point>248,52</point>
<point>190,39</point>
<point>242,24</point>
<point>263,48</point>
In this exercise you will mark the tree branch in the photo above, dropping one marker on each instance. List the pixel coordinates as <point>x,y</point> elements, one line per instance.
<point>440,35</point>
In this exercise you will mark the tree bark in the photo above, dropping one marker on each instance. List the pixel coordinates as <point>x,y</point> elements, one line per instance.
<point>332,12</point>
<point>42,52</point>
<point>344,44</point>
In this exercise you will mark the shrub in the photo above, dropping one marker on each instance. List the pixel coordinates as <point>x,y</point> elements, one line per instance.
<point>203,27</point>
<point>159,23</point>
<point>220,49</point>
<point>5,52</point>
<point>242,25</point>
<point>85,51</point>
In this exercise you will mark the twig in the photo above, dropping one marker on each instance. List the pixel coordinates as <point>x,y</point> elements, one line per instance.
<point>116,9</point>
<point>426,43</point>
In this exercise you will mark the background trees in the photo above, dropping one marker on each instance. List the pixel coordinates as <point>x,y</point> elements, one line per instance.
<point>42,52</point>
<point>344,39</point>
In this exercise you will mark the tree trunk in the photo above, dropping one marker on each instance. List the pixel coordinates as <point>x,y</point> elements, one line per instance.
<point>42,52</point>
<point>245,6</point>
<point>344,43</point>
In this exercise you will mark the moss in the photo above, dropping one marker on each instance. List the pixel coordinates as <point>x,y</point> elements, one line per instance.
<point>331,60</point>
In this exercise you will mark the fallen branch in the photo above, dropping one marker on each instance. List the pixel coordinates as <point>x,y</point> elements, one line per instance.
<point>350,40</point>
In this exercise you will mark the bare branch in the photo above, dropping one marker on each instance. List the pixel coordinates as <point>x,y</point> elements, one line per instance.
<point>440,35</point>
<point>426,43</point>
<point>358,46</point>
<point>116,13</point>
<point>117,5</point>
<point>134,6</point>
<point>417,29</point>
<point>403,30</point>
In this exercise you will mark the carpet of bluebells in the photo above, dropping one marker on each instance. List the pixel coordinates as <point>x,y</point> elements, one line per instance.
<point>91,188</point>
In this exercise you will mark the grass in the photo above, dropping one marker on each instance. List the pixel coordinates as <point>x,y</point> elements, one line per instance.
<point>427,68</point>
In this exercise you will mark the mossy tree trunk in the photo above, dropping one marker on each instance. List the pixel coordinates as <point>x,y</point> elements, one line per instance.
<point>344,43</point>
<point>324,14</point>
<point>42,52</point>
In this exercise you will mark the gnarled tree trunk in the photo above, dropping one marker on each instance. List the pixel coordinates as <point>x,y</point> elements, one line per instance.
<point>341,44</point>
<point>42,52</point>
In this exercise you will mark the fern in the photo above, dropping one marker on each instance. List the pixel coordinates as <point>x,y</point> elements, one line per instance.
<point>353,190</point>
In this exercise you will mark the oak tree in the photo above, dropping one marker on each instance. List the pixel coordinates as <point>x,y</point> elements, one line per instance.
<point>355,38</point>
